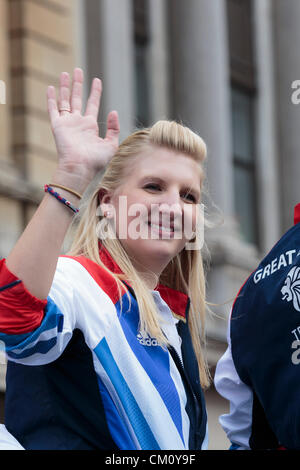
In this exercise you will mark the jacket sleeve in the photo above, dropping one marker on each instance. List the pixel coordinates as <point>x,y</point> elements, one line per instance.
<point>35,331</point>
<point>238,422</point>
<point>7,440</point>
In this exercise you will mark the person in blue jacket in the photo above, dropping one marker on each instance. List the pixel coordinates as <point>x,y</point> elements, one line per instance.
<point>259,373</point>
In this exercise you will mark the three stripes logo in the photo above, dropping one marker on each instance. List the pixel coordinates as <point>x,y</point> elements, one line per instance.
<point>146,340</point>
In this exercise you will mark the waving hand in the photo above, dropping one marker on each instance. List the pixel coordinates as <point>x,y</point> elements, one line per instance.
<point>80,149</point>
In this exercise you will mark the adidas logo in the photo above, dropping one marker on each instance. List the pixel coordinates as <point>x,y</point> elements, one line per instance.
<point>146,340</point>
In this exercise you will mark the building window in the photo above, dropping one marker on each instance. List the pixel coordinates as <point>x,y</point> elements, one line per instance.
<point>141,43</point>
<point>244,164</point>
<point>243,95</point>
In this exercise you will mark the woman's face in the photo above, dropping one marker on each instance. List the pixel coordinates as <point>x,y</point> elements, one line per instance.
<point>155,210</point>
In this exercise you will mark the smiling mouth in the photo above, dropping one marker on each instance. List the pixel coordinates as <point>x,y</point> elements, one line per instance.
<point>161,229</point>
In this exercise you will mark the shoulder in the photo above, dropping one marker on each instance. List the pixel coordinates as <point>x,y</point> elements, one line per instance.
<point>88,274</point>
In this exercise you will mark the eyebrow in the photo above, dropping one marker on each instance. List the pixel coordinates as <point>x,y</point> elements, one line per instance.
<point>189,188</point>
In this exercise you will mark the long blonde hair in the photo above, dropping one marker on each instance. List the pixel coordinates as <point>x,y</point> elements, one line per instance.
<point>185,272</point>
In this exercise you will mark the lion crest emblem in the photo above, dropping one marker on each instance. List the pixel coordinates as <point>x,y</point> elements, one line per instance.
<point>291,288</point>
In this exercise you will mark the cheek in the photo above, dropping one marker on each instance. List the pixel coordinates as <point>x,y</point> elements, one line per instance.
<point>190,217</point>
<point>131,214</point>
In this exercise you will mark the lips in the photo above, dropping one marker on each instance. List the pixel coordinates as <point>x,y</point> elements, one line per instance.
<point>165,221</point>
<point>162,227</point>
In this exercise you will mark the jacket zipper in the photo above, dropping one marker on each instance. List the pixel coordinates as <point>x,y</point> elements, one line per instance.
<point>195,441</point>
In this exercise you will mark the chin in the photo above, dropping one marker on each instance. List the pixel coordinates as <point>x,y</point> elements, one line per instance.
<point>160,248</point>
<point>169,248</point>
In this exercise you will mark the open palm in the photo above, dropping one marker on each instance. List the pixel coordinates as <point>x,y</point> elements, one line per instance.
<point>79,146</point>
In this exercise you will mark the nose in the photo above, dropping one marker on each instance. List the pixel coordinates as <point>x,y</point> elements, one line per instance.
<point>171,197</point>
<point>173,210</point>
<point>170,208</point>
<point>170,211</point>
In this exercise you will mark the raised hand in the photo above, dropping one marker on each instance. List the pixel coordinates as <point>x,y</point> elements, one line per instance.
<point>80,149</point>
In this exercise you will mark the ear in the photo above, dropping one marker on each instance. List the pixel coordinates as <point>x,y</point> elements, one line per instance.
<point>101,194</point>
<point>104,201</point>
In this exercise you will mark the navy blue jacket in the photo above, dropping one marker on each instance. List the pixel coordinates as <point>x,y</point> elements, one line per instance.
<point>260,372</point>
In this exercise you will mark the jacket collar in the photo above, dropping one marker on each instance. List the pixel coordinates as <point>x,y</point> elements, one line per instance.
<point>177,301</point>
<point>297,214</point>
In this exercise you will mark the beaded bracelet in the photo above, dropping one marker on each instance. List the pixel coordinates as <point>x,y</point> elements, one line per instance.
<point>50,190</point>
<point>55,185</point>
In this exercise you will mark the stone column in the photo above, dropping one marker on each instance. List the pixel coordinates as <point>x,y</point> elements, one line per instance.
<point>201,87</point>
<point>80,45</point>
<point>287,38</point>
<point>159,61</point>
<point>4,84</point>
<point>265,128</point>
<point>41,42</point>
<point>201,99</point>
<point>110,53</point>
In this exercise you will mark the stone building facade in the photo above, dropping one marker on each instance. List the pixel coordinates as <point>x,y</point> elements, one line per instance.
<point>223,67</point>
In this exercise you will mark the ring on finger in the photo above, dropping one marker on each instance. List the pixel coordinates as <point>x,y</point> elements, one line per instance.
<point>64,109</point>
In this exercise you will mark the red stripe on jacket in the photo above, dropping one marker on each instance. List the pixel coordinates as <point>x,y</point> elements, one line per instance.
<point>20,311</point>
<point>297,214</point>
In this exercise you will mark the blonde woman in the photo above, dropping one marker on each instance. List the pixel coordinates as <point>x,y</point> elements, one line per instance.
<point>114,328</point>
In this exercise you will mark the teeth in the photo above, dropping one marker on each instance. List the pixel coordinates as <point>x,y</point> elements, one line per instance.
<point>160,227</point>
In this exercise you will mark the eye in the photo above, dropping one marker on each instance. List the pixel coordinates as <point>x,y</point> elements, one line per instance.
<point>190,197</point>
<point>151,185</point>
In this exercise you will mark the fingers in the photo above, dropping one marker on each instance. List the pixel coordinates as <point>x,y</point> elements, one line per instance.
<point>113,128</point>
<point>72,101</point>
<point>52,104</point>
<point>76,98</point>
<point>64,93</point>
<point>92,108</point>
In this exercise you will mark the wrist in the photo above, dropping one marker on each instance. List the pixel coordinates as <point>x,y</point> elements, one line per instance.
<point>51,189</point>
<point>75,182</point>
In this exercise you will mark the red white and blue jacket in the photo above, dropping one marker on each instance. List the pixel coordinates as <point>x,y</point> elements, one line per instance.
<point>79,374</point>
<point>260,371</point>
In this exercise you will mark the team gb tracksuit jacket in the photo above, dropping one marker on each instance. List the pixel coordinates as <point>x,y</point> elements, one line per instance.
<point>260,371</point>
<point>80,375</point>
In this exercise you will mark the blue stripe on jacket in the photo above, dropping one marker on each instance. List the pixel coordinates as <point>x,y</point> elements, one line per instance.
<point>137,420</point>
<point>53,319</point>
<point>154,360</point>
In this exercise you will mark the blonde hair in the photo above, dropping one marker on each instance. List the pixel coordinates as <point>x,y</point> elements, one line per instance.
<point>185,272</point>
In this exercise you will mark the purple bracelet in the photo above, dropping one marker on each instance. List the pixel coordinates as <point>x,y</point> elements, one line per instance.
<point>51,191</point>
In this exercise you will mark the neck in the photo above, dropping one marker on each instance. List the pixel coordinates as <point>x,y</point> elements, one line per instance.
<point>149,274</point>
<point>150,277</point>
